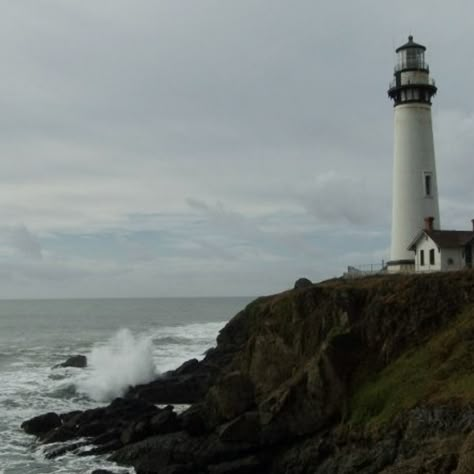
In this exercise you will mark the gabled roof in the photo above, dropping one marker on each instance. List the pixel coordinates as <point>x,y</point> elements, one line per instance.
<point>445,238</point>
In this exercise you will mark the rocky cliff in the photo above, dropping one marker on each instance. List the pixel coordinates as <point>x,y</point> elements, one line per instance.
<point>374,375</point>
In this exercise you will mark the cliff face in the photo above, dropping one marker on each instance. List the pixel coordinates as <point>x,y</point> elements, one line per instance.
<point>371,375</point>
<point>385,361</point>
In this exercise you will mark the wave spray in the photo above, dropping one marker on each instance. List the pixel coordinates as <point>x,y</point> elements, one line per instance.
<point>125,360</point>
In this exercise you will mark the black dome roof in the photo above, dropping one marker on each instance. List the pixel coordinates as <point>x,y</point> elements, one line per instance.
<point>410,44</point>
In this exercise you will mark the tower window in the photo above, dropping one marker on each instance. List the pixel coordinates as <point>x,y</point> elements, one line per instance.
<point>432,257</point>
<point>428,184</point>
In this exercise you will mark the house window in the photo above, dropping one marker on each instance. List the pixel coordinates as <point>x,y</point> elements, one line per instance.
<point>422,257</point>
<point>450,261</point>
<point>432,257</point>
<point>428,184</point>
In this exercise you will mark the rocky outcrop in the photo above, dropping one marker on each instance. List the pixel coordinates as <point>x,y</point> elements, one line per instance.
<point>79,361</point>
<point>39,425</point>
<point>372,376</point>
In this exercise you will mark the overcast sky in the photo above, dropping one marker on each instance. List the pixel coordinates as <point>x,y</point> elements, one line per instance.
<point>213,147</point>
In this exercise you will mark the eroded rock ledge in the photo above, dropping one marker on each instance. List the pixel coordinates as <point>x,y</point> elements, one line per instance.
<point>372,376</point>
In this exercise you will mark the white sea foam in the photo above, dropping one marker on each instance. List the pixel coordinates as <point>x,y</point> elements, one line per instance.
<point>125,360</point>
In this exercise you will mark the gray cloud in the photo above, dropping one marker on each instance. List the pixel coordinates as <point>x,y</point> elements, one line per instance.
<point>115,113</point>
<point>25,242</point>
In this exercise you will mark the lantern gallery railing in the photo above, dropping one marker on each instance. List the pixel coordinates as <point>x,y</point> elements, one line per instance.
<point>429,81</point>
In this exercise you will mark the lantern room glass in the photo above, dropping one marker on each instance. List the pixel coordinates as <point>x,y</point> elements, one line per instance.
<point>411,58</point>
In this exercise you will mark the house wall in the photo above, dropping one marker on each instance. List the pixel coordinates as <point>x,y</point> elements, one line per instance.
<point>442,257</point>
<point>426,244</point>
<point>456,255</point>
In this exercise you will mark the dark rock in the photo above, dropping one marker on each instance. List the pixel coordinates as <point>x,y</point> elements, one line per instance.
<point>105,448</point>
<point>135,432</point>
<point>58,435</point>
<point>70,419</point>
<point>302,283</point>
<point>248,465</point>
<point>193,421</point>
<point>107,437</point>
<point>78,361</point>
<point>189,468</point>
<point>64,449</point>
<point>466,456</point>
<point>245,428</point>
<point>173,388</point>
<point>92,429</point>
<point>232,395</point>
<point>296,385</point>
<point>188,367</point>
<point>41,424</point>
<point>165,422</point>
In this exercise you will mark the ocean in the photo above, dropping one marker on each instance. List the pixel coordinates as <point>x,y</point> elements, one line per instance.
<point>127,341</point>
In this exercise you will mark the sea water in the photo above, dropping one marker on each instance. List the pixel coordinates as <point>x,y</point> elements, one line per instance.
<point>127,341</point>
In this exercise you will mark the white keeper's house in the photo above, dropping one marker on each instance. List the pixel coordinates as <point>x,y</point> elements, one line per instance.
<point>442,250</point>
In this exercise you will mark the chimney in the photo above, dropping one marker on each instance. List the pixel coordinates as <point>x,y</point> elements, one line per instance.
<point>429,223</point>
<point>472,222</point>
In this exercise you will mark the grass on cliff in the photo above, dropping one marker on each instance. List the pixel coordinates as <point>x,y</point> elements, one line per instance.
<point>440,370</point>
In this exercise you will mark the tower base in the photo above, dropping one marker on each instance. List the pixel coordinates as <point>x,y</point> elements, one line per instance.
<point>401,266</point>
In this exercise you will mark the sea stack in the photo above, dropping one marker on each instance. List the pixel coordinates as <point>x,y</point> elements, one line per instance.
<point>415,190</point>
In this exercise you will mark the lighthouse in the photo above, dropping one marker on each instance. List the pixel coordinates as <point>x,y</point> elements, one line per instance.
<point>415,190</point>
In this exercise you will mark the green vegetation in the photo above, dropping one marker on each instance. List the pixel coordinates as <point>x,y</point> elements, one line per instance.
<point>439,370</point>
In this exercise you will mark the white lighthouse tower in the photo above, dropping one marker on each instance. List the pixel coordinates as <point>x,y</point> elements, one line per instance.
<point>415,190</point>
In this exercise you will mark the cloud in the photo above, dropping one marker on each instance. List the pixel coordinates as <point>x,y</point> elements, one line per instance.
<point>220,145</point>
<point>25,243</point>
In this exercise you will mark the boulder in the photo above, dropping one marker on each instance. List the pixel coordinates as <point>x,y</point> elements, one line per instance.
<point>302,283</point>
<point>39,425</point>
<point>78,361</point>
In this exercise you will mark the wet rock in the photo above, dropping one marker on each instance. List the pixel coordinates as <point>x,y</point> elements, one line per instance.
<point>58,435</point>
<point>41,424</point>
<point>102,449</point>
<point>64,449</point>
<point>79,361</point>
